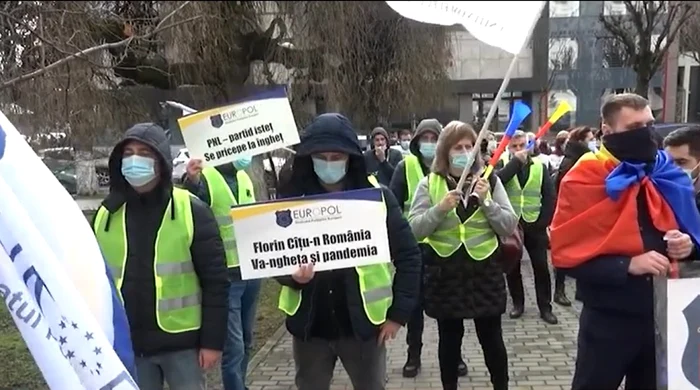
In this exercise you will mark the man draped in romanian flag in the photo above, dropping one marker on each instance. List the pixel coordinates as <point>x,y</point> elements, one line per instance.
<point>623,216</point>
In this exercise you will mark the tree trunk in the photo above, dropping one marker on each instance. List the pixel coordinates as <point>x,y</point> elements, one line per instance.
<point>642,87</point>
<point>256,171</point>
<point>86,176</point>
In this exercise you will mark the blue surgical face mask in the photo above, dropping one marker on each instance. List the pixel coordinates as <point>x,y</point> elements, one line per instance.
<point>330,172</point>
<point>242,163</point>
<point>405,144</point>
<point>138,171</point>
<point>462,160</point>
<point>427,149</point>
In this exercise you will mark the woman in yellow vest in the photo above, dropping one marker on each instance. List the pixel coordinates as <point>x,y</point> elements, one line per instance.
<point>463,279</point>
<point>408,173</point>
<point>346,314</point>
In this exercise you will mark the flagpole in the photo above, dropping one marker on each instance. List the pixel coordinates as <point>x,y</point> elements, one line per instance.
<point>494,106</point>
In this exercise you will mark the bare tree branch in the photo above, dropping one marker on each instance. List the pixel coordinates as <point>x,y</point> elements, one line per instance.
<point>105,46</point>
<point>634,33</point>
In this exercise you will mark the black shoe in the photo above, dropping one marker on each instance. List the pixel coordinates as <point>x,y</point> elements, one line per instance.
<point>412,366</point>
<point>517,312</point>
<point>462,369</point>
<point>549,318</point>
<point>561,299</point>
<point>451,386</point>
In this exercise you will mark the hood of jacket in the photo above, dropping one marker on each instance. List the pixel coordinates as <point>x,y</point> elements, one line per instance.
<point>155,137</point>
<point>330,132</point>
<point>426,125</point>
<point>378,131</point>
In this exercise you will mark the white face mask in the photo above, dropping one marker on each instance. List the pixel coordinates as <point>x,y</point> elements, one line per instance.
<point>691,173</point>
<point>492,146</point>
<point>593,146</point>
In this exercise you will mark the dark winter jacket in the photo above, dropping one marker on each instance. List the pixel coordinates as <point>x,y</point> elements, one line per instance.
<point>144,215</point>
<point>517,170</point>
<point>383,170</point>
<point>573,151</point>
<point>201,190</point>
<point>331,305</point>
<point>398,181</point>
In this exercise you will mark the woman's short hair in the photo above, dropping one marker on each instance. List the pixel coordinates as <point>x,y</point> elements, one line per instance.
<point>580,133</point>
<point>454,132</point>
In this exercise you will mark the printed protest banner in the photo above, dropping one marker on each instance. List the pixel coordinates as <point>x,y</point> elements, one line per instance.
<point>332,231</point>
<point>257,125</point>
<point>677,309</point>
<point>504,24</point>
<point>53,279</point>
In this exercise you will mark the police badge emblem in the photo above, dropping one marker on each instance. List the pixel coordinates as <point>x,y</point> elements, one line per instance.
<point>690,362</point>
<point>284,218</point>
<point>216,121</point>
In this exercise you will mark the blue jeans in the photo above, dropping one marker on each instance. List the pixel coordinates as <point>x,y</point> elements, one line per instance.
<point>242,303</point>
<point>180,369</point>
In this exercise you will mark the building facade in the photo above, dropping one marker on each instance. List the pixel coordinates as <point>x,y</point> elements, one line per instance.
<point>478,70</point>
<point>584,65</point>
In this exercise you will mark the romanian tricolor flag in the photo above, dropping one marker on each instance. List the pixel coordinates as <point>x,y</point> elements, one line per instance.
<point>597,207</point>
<point>562,108</point>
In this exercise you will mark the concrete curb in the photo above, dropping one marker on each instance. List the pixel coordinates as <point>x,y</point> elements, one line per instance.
<point>265,350</point>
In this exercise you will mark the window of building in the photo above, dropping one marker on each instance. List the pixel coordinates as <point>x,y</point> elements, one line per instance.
<point>611,8</point>
<point>564,9</point>
<point>563,53</point>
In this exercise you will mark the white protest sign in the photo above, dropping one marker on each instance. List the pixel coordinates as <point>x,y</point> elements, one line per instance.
<point>504,24</point>
<point>257,125</point>
<point>333,231</point>
<point>683,332</point>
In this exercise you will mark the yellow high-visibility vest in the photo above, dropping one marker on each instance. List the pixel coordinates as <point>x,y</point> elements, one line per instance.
<point>376,281</point>
<point>221,200</point>
<point>414,174</point>
<point>475,234</point>
<point>526,200</point>
<point>178,295</point>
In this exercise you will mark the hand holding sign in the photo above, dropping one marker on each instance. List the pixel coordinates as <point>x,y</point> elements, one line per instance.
<point>260,124</point>
<point>194,170</point>
<point>304,274</point>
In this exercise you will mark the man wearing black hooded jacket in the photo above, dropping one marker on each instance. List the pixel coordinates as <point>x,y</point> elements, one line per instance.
<point>404,182</point>
<point>167,259</point>
<point>330,321</point>
<point>381,160</point>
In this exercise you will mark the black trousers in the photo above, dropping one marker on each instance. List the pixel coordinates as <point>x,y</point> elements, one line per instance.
<point>559,280</point>
<point>611,347</point>
<point>414,328</point>
<point>490,335</point>
<point>536,244</point>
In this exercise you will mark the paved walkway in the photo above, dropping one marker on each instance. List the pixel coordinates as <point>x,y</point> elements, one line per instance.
<point>541,356</point>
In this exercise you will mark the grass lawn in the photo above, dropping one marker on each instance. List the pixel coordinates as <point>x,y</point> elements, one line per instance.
<point>18,371</point>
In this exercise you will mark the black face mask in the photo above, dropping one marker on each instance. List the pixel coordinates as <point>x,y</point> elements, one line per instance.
<point>636,145</point>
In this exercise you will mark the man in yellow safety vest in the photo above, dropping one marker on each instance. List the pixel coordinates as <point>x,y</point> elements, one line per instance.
<point>166,257</point>
<point>346,313</point>
<point>222,187</point>
<point>531,192</point>
<point>403,184</point>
